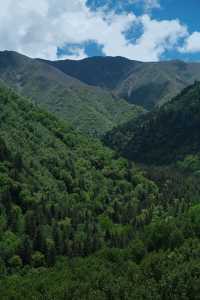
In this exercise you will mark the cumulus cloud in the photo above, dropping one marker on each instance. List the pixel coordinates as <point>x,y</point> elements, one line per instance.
<point>38,28</point>
<point>157,37</point>
<point>192,43</point>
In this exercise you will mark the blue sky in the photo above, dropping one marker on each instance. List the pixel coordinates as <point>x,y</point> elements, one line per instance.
<point>146,30</point>
<point>187,11</point>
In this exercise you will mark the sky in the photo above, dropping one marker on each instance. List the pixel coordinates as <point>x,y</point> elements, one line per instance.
<point>144,30</point>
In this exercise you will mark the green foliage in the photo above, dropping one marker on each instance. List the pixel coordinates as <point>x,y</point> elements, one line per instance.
<point>37,259</point>
<point>78,222</point>
<point>90,110</point>
<point>15,262</point>
<point>165,135</point>
<point>191,163</point>
<point>61,193</point>
<point>113,274</point>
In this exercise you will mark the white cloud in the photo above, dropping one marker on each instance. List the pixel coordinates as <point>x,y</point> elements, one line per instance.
<point>158,36</point>
<point>150,4</point>
<point>37,28</point>
<point>192,43</point>
<point>147,4</point>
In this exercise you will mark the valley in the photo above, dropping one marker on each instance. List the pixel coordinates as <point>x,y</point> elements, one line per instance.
<point>99,192</point>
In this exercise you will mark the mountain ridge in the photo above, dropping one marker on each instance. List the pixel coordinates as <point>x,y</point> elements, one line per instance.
<point>148,84</point>
<point>90,109</point>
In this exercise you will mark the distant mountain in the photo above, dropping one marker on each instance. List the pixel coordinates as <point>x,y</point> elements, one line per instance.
<point>89,109</point>
<point>107,72</point>
<point>146,84</point>
<point>164,135</point>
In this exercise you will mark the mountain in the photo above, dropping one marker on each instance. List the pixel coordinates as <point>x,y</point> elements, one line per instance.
<point>164,135</point>
<point>89,109</point>
<point>78,222</point>
<point>109,71</point>
<point>146,84</point>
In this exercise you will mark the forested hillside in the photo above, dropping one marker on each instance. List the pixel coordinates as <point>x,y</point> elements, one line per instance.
<point>89,109</point>
<point>57,186</point>
<point>147,84</point>
<point>165,135</point>
<point>78,222</point>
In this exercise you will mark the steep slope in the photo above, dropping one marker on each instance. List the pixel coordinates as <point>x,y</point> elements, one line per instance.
<point>89,109</point>
<point>60,193</point>
<point>109,71</point>
<point>78,223</point>
<point>164,135</point>
<point>147,84</point>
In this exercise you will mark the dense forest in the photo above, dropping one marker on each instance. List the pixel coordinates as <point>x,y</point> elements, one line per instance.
<point>61,189</point>
<point>165,135</point>
<point>77,221</point>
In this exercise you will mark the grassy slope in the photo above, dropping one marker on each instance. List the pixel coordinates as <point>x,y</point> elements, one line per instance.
<point>89,109</point>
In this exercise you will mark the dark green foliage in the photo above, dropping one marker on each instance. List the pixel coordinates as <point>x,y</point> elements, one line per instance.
<point>76,222</point>
<point>169,271</point>
<point>165,135</point>
<point>61,193</point>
